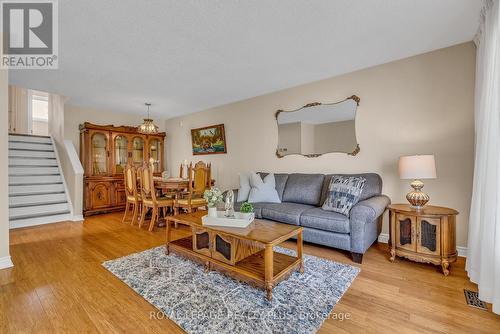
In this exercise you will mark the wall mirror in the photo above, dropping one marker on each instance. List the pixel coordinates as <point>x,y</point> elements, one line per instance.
<point>318,128</point>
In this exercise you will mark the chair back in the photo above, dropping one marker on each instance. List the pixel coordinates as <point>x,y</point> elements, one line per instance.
<point>130,180</point>
<point>201,177</point>
<point>147,182</point>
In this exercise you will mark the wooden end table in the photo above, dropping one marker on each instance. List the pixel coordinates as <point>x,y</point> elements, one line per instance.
<point>245,254</point>
<point>427,235</point>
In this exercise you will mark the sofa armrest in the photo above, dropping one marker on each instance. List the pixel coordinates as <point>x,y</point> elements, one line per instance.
<point>362,218</point>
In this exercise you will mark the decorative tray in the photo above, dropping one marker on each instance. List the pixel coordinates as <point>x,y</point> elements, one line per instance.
<point>240,220</point>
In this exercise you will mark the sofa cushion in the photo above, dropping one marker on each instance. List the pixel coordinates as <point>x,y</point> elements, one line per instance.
<point>280,182</point>
<point>288,213</point>
<point>373,185</point>
<point>325,220</point>
<point>303,188</point>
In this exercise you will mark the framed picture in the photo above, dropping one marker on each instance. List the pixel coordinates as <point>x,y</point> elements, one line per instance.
<point>209,140</point>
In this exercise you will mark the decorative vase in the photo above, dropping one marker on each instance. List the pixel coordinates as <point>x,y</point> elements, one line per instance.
<point>212,211</point>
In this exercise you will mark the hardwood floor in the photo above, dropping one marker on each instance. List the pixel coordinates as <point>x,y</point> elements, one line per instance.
<point>59,285</point>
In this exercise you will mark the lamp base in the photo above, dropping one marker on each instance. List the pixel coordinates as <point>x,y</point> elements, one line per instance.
<point>417,197</point>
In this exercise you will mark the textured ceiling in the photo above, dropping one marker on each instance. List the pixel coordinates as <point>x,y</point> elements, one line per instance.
<point>185,55</point>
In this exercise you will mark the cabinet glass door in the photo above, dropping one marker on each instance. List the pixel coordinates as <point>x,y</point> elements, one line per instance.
<point>121,153</point>
<point>405,232</point>
<point>99,153</point>
<point>138,151</point>
<point>428,236</point>
<point>154,154</point>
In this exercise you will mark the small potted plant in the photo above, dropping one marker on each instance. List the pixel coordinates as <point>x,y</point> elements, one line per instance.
<point>213,197</point>
<point>247,210</point>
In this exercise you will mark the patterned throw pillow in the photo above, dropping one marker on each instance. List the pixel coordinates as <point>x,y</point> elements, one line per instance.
<point>343,193</point>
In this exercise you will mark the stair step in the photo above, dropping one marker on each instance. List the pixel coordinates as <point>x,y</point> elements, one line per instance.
<point>13,153</point>
<point>29,139</point>
<point>36,189</point>
<point>24,162</point>
<point>41,219</point>
<point>34,179</point>
<point>38,210</point>
<point>35,170</point>
<point>16,145</point>
<point>22,190</point>
<point>42,199</point>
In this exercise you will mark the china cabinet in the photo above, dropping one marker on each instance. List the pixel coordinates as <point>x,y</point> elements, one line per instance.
<point>105,151</point>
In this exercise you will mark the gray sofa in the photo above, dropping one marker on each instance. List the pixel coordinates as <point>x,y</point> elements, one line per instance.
<point>302,196</point>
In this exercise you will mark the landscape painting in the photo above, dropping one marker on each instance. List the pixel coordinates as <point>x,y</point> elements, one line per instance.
<point>209,140</point>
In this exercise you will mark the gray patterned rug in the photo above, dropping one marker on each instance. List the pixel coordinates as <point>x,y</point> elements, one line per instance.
<point>213,303</point>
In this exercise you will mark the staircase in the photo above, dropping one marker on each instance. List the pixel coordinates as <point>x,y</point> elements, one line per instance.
<point>36,186</point>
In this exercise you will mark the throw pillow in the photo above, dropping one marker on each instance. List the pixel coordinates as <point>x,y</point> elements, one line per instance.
<point>343,193</point>
<point>263,190</point>
<point>244,190</point>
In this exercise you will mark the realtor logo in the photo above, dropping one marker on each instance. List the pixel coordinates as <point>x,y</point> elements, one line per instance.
<point>29,34</point>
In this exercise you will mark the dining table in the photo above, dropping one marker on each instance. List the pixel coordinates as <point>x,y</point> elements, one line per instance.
<point>170,186</point>
<point>173,184</point>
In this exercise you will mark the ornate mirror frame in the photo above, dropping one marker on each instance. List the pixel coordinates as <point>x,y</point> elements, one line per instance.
<point>313,104</point>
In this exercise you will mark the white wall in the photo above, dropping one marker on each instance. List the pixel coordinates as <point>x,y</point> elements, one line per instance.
<point>71,167</point>
<point>4,178</point>
<point>418,105</point>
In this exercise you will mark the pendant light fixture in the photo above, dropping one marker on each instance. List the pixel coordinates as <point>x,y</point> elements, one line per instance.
<point>148,127</point>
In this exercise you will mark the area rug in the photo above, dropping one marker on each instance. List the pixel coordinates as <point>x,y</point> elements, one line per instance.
<point>211,302</point>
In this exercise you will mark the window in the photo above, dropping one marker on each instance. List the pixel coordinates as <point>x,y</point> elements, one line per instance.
<point>39,114</point>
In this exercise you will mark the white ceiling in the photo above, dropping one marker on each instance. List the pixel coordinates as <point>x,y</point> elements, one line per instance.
<point>188,55</point>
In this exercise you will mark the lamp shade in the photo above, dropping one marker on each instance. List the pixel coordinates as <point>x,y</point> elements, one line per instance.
<point>417,167</point>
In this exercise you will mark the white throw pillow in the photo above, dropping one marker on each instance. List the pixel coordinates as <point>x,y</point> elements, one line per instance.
<point>245,187</point>
<point>263,190</point>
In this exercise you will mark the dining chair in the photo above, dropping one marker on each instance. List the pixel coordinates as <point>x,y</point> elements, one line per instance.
<point>149,198</point>
<point>199,179</point>
<point>134,200</point>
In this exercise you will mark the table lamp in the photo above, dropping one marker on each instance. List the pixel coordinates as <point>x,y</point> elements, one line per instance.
<point>416,168</point>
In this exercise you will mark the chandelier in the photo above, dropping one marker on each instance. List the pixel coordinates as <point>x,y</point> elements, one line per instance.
<point>148,127</point>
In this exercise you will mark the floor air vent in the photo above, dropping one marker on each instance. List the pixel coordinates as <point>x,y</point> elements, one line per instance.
<point>472,299</point>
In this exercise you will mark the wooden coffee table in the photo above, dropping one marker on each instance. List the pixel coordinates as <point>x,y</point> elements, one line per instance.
<point>245,254</point>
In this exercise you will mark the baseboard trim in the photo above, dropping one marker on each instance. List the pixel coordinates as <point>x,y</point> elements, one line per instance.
<point>77,218</point>
<point>384,238</point>
<point>6,262</point>
<point>462,251</point>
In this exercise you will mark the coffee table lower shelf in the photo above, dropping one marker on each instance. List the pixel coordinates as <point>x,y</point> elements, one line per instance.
<point>250,269</point>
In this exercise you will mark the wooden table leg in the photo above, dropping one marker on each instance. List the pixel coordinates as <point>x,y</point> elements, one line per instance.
<point>299,252</point>
<point>392,235</point>
<point>268,271</point>
<point>445,265</point>
<point>167,222</point>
